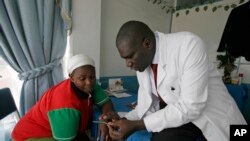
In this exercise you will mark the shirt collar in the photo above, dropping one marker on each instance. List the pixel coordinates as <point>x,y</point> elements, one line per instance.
<point>80,94</point>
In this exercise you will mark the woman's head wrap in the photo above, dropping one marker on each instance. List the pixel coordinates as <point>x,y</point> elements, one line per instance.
<point>79,60</point>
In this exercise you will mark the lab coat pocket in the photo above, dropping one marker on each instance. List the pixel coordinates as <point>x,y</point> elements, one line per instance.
<point>170,91</point>
<point>173,85</point>
<point>175,88</point>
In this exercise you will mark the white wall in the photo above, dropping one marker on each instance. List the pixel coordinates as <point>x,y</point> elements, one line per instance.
<point>209,26</point>
<point>96,23</point>
<point>114,14</point>
<point>86,29</point>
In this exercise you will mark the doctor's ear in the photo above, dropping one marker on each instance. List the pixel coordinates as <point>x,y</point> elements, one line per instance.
<point>147,43</point>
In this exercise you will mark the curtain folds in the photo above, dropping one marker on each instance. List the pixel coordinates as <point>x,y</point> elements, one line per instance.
<point>33,36</point>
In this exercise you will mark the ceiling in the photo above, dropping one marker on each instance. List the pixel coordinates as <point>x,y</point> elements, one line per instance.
<point>182,4</point>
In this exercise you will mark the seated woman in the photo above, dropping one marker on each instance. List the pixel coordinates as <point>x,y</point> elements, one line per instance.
<point>64,111</point>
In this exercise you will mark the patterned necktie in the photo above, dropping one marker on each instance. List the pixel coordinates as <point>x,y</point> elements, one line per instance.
<point>154,68</point>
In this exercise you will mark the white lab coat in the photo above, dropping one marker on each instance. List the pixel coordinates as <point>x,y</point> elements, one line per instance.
<point>190,85</point>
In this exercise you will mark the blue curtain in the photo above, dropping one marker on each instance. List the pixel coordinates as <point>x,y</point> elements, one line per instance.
<point>33,36</point>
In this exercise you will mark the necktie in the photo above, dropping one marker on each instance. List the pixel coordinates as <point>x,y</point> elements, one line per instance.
<point>154,68</point>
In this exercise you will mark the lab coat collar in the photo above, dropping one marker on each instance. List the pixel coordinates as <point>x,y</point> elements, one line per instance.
<point>160,43</point>
<point>161,74</point>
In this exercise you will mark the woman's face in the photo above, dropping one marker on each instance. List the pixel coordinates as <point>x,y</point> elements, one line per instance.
<point>84,78</point>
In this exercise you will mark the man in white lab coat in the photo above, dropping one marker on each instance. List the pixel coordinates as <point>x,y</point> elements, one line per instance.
<point>197,103</point>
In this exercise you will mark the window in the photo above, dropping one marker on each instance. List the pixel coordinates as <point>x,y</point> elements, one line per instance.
<point>66,57</point>
<point>9,78</point>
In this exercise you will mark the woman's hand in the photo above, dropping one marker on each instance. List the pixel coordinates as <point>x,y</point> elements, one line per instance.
<point>109,116</point>
<point>103,131</point>
<point>121,129</point>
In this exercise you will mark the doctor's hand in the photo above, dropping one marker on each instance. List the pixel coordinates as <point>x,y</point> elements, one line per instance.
<point>122,128</point>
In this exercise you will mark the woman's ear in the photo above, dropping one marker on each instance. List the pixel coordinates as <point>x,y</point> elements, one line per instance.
<point>70,77</point>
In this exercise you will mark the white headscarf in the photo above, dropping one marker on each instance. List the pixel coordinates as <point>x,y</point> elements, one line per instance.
<point>78,61</point>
